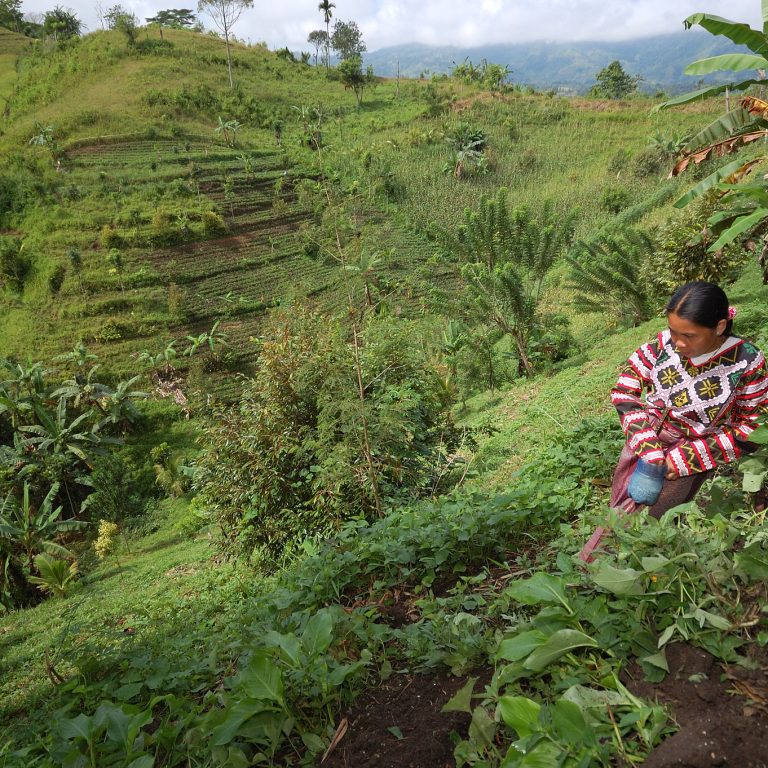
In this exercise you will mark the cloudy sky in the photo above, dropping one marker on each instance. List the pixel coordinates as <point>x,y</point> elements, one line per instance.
<point>444,22</point>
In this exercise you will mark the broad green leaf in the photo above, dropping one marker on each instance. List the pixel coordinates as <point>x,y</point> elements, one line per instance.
<point>705,617</point>
<point>708,183</point>
<point>341,673</point>
<point>520,714</point>
<point>145,761</point>
<point>540,588</point>
<point>562,642</point>
<point>737,32</point>
<point>658,660</point>
<point>396,732</point>
<point>724,127</point>
<point>461,700</point>
<point>262,679</point>
<point>288,644</point>
<point>653,564</point>
<point>234,719</point>
<point>620,581</point>
<point>543,755</point>
<point>759,436</point>
<point>666,635</point>
<point>569,724</point>
<point>705,93</point>
<point>593,698</point>
<point>739,227</point>
<point>753,482</point>
<point>80,727</point>
<point>736,62</point>
<point>318,633</point>
<point>482,729</point>
<point>519,646</point>
<point>313,743</point>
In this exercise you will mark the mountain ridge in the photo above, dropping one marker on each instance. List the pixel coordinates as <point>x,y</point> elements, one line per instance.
<point>659,60</point>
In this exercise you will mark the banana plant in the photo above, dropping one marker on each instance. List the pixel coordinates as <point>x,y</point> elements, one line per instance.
<point>33,530</point>
<point>745,206</point>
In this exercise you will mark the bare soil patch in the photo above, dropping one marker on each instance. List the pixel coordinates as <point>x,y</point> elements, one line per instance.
<point>722,710</point>
<point>400,725</point>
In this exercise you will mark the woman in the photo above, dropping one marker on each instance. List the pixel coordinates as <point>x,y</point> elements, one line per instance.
<point>704,391</point>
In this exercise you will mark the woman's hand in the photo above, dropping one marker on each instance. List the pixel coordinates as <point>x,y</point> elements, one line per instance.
<point>671,471</point>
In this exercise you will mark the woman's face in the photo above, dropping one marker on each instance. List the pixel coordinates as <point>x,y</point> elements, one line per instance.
<point>692,340</point>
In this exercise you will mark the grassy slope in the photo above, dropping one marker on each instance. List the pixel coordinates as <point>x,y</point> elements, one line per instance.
<point>539,148</point>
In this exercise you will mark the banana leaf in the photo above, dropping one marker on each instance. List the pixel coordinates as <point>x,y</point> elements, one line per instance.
<point>705,93</point>
<point>720,149</point>
<point>737,62</point>
<point>712,181</point>
<point>741,225</point>
<point>724,127</point>
<point>741,34</point>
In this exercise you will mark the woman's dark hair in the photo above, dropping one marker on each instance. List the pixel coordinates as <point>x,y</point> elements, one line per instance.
<point>702,303</point>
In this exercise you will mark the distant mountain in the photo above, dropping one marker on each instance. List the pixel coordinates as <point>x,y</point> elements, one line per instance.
<point>659,60</point>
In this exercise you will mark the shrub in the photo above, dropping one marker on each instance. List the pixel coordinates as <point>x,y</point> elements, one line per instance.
<point>213,224</point>
<point>56,279</point>
<point>681,252</point>
<point>14,264</point>
<point>289,460</point>
<point>649,162</point>
<point>110,238</point>
<point>615,199</point>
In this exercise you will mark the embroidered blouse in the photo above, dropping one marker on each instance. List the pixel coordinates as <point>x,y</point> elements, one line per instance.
<point>712,402</point>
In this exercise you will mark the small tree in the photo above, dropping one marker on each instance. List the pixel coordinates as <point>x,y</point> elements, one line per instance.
<point>172,18</point>
<point>319,39</point>
<point>115,14</point>
<point>351,71</point>
<point>347,40</point>
<point>225,14</point>
<point>614,83</point>
<point>509,254</point>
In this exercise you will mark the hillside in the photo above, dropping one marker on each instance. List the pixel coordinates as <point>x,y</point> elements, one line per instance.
<point>145,169</point>
<point>658,60</point>
<point>305,417</point>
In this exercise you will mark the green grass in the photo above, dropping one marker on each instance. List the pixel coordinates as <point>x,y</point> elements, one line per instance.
<point>134,595</point>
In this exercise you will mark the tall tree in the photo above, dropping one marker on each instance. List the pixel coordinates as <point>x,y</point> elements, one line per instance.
<point>614,83</point>
<point>347,40</point>
<point>325,6</point>
<point>11,16</point>
<point>224,14</point>
<point>173,18</point>
<point>319,39</point>
<point>61,23</point>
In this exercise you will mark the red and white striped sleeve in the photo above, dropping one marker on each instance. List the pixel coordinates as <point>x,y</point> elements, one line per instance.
<point>750,402</point>
<point>626,397</point>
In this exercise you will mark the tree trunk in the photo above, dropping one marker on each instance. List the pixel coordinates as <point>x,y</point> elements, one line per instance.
<point>524,367</point>
<point>229,57</point>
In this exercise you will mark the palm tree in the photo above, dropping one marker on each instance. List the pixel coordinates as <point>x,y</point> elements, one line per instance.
<point>325,7</point>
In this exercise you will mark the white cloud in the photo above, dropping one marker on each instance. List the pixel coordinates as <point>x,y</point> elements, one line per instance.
<point>449,22</point>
